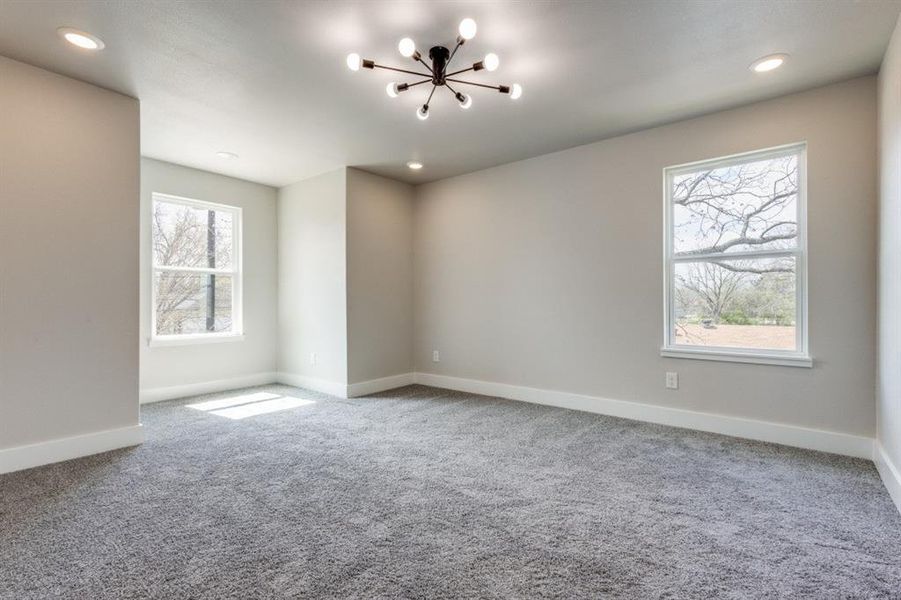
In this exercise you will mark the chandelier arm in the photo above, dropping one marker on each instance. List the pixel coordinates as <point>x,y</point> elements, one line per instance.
<point>458,72</point>
<point>429,75</point>
<point>430,95</point>
<point>409,85</point>
<point>492,87</point>
<point>427,65</point>
<point>451,57</point>
<point>452,90</point>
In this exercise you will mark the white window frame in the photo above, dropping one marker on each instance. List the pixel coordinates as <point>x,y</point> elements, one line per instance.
<point>794,358</point>
<point>236,272</point>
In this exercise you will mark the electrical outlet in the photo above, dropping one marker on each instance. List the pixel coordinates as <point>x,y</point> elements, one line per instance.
<point>313,358</point>
<point>672,380</point>
<point>436,356</point>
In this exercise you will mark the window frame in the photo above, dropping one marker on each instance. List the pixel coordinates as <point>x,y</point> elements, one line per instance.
<point>236,272</point>
<point>800,357</point>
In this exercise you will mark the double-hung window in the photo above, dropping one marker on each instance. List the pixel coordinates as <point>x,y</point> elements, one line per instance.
<point>735,254</point>
<point>196,279</point>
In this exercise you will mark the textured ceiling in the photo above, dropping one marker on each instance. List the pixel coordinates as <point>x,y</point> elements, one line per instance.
<point>267,79</point>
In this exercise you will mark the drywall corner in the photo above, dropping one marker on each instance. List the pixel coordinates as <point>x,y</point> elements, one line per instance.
<point>379,277</point>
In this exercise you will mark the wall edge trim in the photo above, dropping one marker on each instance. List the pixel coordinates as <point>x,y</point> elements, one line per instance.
<point>174,392</point>
<point>333,388</point>
<point>763,431</point>
<point>890,473</point>
<point>57,450</point>
<point>373,386</point>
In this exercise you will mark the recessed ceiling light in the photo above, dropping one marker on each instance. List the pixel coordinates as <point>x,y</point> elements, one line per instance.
<point>415,165</point>
<point>82,39</point>
<point>768,63</point>
<point>227,155</point>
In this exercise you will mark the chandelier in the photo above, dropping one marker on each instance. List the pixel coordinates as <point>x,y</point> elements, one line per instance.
<point>437,74</point>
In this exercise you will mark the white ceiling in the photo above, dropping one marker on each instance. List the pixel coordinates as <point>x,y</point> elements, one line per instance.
<point>267,79</point>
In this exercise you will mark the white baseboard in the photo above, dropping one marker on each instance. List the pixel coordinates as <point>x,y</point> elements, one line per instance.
<point>374,386</point>
<point>765,431</point>
<point>891,475</point>
<point>44,453</point>
<point>34,455</point>
<point>205,387</point>
<point>332,388</point>
<point>302,381</point>
<point>789,435</point>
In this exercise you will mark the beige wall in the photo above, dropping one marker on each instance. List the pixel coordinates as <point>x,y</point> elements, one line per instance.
<point>889,388</point>
<point>312,290</point>
<point>69,202</point>
<point>548,272</point>
<point>379,277</point>
<point>167,366</point>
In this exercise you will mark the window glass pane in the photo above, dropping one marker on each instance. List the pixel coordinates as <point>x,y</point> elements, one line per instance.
<point>736,303</point>
<point>749,206</point>
<point>192,303</point>
<point>185,236</point>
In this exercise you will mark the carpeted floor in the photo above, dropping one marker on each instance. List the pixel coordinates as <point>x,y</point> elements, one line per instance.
<point>426,493</point>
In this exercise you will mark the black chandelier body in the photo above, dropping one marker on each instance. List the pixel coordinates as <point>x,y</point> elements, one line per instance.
<point>437,72</point>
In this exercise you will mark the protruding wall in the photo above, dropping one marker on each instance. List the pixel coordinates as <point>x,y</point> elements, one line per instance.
<point>312,284</point>
<point>69,181</point>
<point>888,403</point>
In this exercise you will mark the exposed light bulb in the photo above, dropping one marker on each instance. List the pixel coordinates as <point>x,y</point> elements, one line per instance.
<point>491,61</point>
<point>354,61</point>
<point>467,29</point>
<point>391,90</point>
<point>406,47</point>
<point>422,113</point>
<point>466,102</point>
<point>515,91</point>
<point>415,165</point>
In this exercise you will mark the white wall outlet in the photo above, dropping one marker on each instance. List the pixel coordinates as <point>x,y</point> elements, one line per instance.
<point>672,380</point>
<point>313,358</point>
<point>436,356</point>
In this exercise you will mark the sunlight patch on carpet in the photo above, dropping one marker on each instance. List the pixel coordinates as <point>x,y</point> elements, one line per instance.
<point>249,405</point>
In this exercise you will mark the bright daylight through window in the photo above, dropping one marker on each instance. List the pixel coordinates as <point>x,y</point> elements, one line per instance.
<point>196,270</point>
<point>735,258</point>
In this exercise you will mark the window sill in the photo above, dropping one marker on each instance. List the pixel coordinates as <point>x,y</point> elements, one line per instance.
<point>759,358</point>
<point>189,340</point>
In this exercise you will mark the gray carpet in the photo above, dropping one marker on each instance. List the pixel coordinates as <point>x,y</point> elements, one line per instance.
<point>426,493</point>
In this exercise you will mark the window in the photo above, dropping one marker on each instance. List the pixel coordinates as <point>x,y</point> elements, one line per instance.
<point>735,247</point>
<point>196,279</point>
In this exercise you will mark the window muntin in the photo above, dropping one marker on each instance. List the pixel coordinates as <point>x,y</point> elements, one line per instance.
<point>196,280</point>
<point>735,255</point>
